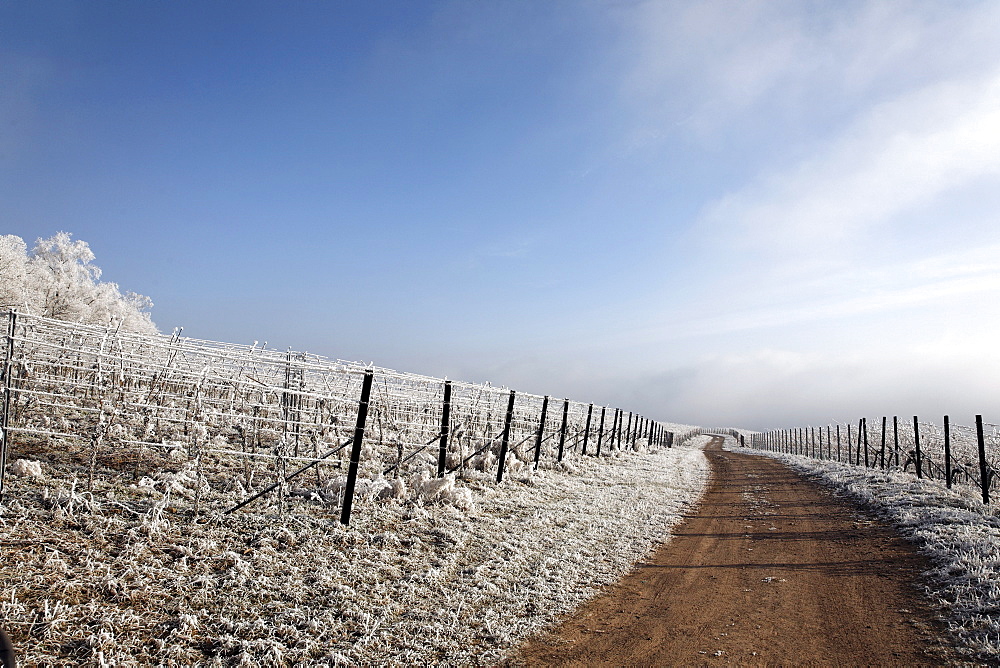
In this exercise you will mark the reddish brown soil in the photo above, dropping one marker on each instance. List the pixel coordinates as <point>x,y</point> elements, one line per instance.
<point>771,570</point>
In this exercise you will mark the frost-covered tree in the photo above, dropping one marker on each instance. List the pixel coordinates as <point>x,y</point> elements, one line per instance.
<point>13,272</point>
<point>58,280</point>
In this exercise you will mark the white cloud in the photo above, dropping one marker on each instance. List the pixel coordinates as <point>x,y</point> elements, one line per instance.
<point>701,58</point>
<point>718,65</point>
<point>902,155</point>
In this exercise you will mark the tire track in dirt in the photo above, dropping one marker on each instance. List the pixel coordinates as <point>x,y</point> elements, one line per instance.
<point>772,569</point>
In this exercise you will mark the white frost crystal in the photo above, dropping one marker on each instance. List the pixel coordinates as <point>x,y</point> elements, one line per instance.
<point>26,468</point>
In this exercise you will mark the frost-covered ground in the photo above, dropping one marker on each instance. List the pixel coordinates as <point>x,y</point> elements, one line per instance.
<point>959,534</point>
<point>433,578</point>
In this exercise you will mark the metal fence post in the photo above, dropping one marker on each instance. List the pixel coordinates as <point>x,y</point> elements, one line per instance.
<point>864,430</point>
<point>359,435</point>
<point>541,431</point>
<point>8,388</point>
<point>562,430</point>
<point>445,428</point>
<point>850,444</point>
<point>895,438</point>
<point>506,438</point>
<point>586,431</point>
<point>984,474</point>
<point>614,429</point>
<point>881,450</point>
<point>600,431</point>
<point>947,452</point>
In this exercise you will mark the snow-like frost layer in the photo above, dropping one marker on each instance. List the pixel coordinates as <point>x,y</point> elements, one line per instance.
<point>90,581</point>
<point>959,534</point>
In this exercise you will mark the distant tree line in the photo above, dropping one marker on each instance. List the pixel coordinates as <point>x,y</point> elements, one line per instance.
<point>58,280</point>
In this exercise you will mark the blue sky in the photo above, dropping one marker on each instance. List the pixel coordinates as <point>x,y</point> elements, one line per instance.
<point>754,214</point>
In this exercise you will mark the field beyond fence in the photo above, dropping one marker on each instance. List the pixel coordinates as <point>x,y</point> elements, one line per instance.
<point>221,426</point>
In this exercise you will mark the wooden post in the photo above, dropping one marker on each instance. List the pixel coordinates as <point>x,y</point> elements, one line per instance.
<point>445,428</point>
<point>984,473</point>
<point>562,430</point>
<point>586,430</point>
<point>838,441</point>
<point>947,453</point>
<point>541,431</point>
<point>916,447</point>
<point>505,443</point>
<point>359,435</point>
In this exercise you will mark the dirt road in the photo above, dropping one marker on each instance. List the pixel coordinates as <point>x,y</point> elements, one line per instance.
<point>771,570</point>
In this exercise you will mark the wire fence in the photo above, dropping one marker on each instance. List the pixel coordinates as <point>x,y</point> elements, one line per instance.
<point>213,422</point>
<point>953,453</point>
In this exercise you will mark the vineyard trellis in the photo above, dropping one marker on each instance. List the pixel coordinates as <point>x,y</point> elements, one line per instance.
<point>954,453</point>
<point>208,421</point>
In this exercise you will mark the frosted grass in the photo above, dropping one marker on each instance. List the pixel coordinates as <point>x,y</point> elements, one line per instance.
<point>445,573</point>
